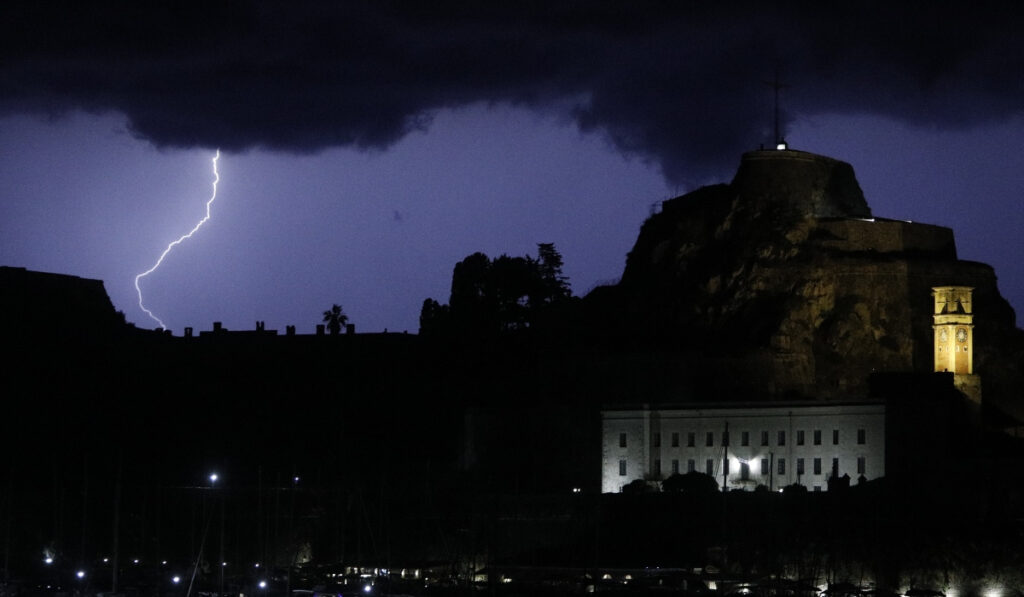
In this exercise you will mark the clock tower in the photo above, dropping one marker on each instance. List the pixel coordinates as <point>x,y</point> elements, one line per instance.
<point>953,322</point>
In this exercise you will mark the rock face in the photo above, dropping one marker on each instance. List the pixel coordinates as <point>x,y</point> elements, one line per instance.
<point>782,285</point>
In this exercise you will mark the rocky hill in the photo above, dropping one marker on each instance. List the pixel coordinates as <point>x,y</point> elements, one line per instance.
<point>782,285</point>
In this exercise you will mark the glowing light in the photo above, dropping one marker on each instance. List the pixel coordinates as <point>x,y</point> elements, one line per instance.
<point>176,579</point>
<point>216,179</point>
<point>263,584</point>
<point>367,588</point>
<point>214,477</point>
<point>80,574</point>
<point>48,560</point>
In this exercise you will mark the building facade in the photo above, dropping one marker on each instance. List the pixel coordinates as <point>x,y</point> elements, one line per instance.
<point>744,445</point>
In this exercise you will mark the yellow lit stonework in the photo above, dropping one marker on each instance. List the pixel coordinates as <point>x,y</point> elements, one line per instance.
<point>954,329</point>
<point>953,322</point>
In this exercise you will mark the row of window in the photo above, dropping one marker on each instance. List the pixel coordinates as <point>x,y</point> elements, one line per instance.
<point>780,466</point>
<point>709,438</point>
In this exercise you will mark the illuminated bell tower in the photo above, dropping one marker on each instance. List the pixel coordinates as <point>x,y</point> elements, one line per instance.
<point>953,322</point>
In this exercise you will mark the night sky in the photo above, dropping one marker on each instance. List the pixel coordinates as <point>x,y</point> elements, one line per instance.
<point>368,147</point>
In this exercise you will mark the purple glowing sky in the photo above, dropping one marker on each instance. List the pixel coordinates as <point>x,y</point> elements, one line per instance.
<point>367,148</point>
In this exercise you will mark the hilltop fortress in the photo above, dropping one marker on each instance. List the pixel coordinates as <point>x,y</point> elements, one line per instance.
<point>784,285</point>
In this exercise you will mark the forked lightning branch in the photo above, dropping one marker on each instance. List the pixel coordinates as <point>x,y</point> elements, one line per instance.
<point>216,179</point>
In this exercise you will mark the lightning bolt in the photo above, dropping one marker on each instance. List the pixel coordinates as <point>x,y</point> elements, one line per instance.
<point>216,179</point>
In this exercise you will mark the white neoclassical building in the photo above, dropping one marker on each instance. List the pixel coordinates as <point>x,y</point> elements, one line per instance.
<point>744,444</point>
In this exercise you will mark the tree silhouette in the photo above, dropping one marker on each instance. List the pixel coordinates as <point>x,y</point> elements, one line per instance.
<point>335,319</point>
<point>500,296</point>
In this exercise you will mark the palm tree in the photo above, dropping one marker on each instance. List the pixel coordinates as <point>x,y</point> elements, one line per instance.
<point>335,319</point>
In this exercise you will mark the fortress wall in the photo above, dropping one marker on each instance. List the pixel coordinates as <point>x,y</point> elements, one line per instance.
<point>886,236</point>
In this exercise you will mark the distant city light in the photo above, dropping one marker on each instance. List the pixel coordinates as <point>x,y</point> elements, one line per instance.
<point>296,479</point>
<point>263,584</point>
<point>781,145</point>
<point>223,564</point>
<point>367,588</point>
<point>213,477</point>
<point>80,574</point>
<point>256,565</point>
<point>163,563</point>
<point>105,560</point>
<point>135,561</point>
<point>176,579</point>
<point>48,560</point>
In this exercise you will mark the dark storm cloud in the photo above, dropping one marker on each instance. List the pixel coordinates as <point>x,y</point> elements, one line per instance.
<point>679,83</point>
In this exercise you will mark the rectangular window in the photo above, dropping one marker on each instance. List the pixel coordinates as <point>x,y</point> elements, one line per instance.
<point>657,440</point>
<point>861,465</point>
<point>862,436</point>
<point>622,468</point>
<point>817,437</point>
<point>622,440</point>
<point>691,466</point>
<point>782,438</point>
<point>817,466</point>
<point>835,467</point>
<point>835,437</point>
<point>800,437</point>
<point>817,488</point>
<point>764,438</point>
<point>745,471</point>
<point>691,439</point>
<point>675,467</point>
<point>710,439</point>
<point>781,466</point>
<point>745,438</point>
<point>764,466</point>
<point>709,467</point>
<point>675,439</point>
<point>799,466</point>
<point>657,467</point>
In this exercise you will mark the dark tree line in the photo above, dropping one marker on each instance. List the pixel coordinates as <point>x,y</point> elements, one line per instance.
<point>499,296</point>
